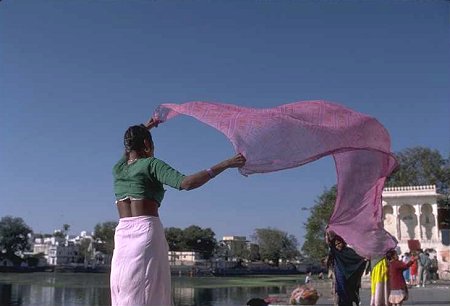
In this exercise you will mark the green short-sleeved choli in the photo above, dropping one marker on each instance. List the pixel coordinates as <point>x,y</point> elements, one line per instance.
<point>144,179</point>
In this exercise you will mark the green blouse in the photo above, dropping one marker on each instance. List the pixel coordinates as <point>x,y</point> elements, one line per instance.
<point>144,179</point>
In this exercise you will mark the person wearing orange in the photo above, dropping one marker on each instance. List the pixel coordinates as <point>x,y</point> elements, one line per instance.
<point>413,270</point>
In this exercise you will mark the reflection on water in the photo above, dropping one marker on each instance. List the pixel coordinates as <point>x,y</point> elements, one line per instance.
<point>38,295</point>
<point>38,289</point>
<point>221,296</point>
<point>5,294</point>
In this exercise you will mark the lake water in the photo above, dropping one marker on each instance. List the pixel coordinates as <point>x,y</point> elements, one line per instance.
<point>39,289</point>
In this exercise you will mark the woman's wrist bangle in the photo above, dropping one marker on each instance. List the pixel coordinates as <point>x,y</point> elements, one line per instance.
<point>210,173</point>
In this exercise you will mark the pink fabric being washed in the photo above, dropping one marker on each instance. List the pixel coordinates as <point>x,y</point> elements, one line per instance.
<point>294,134</point>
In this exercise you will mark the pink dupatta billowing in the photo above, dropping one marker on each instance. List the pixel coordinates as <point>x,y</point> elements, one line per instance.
<point>294,134</point>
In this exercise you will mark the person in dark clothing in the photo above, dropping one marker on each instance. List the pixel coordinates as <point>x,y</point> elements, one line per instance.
<point>348,268</point>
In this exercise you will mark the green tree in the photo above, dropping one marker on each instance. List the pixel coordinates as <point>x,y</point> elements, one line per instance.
<point>59,234</point>
<point>85,250</point>
<point>104,236</point>
<point>175,239</point>
<point>254,252</point>
<point>421,166</point>
<point>62,233</point>
<point>34,260</point>
<point>314,246</point>
<point>239,250</point>
<point>445,201</point>
<point>13,235</point>
<point>289,250</point>
<point>275,245</point>
<point>200,240</point>
<point>66,228</point>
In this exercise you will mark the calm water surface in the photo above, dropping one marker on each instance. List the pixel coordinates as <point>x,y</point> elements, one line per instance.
<point>38,289</point>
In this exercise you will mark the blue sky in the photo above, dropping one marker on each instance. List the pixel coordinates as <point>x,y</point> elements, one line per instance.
<point>75,74</point>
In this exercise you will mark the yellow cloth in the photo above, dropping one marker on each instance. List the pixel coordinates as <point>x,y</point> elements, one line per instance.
<point>379,284</point>
<point>379,274</point>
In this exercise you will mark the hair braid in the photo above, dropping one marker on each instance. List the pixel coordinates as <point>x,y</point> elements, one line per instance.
<point>134,137</point>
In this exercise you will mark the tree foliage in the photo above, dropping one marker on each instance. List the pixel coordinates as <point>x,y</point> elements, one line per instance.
<point>13,235</point>
<point>59,234</point>
<point>239,250</point>
<point>420,166</point>
<point>174,236</point>
<point>66,228</point>
<point>104,234</point>
<point>62,233</point>
<point>314,246</point>
<point>192,238</point>
<point>85,250</point>
<point>275,245</point>
<point>200,240</point>
<point>254,252</point>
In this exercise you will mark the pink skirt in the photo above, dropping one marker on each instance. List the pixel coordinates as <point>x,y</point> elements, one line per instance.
<point>398,296</point>
<point>140,271</point>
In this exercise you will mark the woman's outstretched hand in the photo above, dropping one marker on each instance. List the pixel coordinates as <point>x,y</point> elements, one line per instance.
<point>200,178</point>
<point>152,123</point>
<point>237,161</point>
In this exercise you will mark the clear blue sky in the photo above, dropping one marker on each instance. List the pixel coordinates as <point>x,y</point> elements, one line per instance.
<point>75,74</point>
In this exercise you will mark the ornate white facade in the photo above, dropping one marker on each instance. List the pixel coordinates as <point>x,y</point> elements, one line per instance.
<point>411,213</point>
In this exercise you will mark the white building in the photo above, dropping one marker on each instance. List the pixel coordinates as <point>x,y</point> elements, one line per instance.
<point>62,254</point>
<point>188,258</point>
<point>411,215</point>
<point>62,250</point>
<point>56,250</point>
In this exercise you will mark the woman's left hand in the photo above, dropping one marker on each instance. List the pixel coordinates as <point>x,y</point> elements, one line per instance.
<point>152,123</point>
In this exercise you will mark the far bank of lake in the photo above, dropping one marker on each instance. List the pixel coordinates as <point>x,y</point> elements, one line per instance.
<point>73,289</point>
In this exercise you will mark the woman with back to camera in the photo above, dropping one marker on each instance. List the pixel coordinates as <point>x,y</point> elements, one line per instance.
<point>140,272</point>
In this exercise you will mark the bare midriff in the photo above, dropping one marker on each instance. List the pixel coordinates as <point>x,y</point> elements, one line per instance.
<point>134,208</point>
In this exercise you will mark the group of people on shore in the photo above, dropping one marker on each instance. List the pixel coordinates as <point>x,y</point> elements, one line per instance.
<point>422,271</point>
<point>390,275</point>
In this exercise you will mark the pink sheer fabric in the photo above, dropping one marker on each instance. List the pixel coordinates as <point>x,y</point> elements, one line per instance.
<point>294,134</point>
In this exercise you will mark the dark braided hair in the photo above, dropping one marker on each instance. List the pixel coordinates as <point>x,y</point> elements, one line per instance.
<point>390,254</point>
<point>134,137</point>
